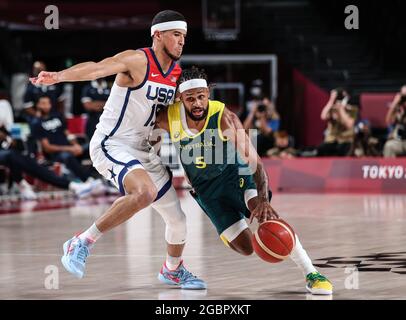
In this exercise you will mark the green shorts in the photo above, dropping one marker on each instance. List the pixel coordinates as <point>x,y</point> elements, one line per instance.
<point>223,201</point>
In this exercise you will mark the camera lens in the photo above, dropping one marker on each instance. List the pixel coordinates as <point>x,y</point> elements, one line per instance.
<point>261,108</point>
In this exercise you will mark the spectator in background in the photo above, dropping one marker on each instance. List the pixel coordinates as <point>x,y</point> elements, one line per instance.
<point>263,117</point>
<point>340,117</point>
<point>18,163</point>
<point>283,148</point>
<point>256,94</point>
<point>6,112</point>
<point>6,143</point>
<point>34,92</point>
<point>94,96</point>
<point>50,130</point>
<point>396,118</point>
<point>364,144</point>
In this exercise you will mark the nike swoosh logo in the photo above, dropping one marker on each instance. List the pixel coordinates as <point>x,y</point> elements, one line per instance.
<point>154,75</point>
<point>173,278</point>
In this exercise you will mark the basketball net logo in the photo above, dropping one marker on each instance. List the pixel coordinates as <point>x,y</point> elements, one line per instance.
<point>172,277</point>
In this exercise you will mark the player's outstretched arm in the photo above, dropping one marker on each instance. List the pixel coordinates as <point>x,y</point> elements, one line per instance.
<point>88,71</point>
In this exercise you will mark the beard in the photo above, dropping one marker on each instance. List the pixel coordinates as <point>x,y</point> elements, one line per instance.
<point>194,118</point>
<point>170,55</point>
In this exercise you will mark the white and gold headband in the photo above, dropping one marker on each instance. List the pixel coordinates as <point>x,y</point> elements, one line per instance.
<point>192,84</point>
<point>170,25</point>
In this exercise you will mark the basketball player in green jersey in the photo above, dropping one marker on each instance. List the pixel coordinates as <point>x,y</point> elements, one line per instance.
<point>224,169</point>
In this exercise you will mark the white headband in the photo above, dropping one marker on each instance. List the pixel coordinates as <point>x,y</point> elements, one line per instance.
<point>192,84</point>
<point>170,25</point>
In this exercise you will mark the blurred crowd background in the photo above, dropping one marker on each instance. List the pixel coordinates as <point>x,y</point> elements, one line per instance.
<point>331,91</point>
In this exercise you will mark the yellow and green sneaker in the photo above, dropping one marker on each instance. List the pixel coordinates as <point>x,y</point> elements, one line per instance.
<point>316,283</point>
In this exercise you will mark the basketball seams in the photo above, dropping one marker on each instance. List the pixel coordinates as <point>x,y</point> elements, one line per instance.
<point>286,227</point>
<point>277,238</point>
<point>266,249</point>
<point>293,234</point>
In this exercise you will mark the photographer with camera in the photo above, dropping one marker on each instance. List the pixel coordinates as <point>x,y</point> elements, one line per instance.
<point>340,117</point>
<point>263,117</point>
<point>364,145</point>
<point>396,117</point>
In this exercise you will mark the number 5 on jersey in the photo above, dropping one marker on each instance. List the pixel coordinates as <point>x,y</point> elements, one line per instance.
<point>200,164</point>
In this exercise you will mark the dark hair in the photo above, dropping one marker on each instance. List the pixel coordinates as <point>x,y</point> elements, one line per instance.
<point>167,15</point>
<point>4,94</point>
<point>44,96</point>
<point>192,73</point>
<point>340,93</point>
<point>281,134</point>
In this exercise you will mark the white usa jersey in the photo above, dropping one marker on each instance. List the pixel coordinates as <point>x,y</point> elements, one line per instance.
<point>129,113</point>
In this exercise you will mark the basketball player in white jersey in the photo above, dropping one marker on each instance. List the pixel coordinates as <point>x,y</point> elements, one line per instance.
<point>145,83</point>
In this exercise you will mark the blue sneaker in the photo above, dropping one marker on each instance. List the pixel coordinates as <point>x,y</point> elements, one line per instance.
<point>181,278</point>
<point>75,252</point>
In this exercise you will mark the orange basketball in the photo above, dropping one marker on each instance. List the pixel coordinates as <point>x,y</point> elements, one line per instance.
<point>274,240</point>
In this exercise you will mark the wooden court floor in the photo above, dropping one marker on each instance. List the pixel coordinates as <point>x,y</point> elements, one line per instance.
<point>358,241</point>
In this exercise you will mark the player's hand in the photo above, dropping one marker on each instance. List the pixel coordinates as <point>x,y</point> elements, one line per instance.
<point>45,77</point>
<point>263,212</point>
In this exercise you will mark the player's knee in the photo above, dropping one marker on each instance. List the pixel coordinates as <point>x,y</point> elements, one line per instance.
<point>148,194</point>
<point>175,220</point>
<point>178,219</point>
<point>171,212</point>
<point>176,228</point>
<point>245,248</point>
<point>242,244</point>
<point>242,247</point>
<point>143,195</point>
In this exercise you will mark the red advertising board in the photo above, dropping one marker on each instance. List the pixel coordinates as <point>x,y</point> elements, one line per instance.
<point>365,175</point>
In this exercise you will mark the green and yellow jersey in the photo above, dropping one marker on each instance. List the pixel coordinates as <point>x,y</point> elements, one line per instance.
<point>212,165</point>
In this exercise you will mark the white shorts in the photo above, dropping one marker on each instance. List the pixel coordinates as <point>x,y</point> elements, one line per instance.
<point>115,159</point>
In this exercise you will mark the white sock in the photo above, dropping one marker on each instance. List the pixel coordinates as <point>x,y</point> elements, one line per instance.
<point>302,260</point>
<point>172,263</point>
<point>92,234</point>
